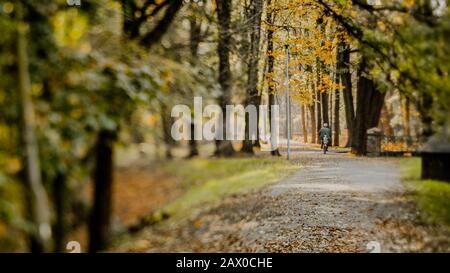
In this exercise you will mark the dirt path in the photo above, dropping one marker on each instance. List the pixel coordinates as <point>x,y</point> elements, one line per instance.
<point>335,203</point>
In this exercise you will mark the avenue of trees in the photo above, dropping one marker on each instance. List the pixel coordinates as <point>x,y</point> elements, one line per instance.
<point>77,81</point>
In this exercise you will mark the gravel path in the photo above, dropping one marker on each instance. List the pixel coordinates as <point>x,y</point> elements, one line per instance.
<point>335,203</point>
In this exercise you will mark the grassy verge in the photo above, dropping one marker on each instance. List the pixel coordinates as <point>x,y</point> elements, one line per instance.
<point>432,197</point>
<point>208,180</point>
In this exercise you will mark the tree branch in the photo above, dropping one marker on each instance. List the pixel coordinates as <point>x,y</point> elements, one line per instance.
<point>155,35</point>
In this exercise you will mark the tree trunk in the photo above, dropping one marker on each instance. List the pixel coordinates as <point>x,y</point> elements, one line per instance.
<point>272,101</point>
<point>257,143</point>
<point>406,114</point>
<point>134,17</point>
<point>194,42</point>
<point>37,197</point>
<point>194,36</point>
<point>304,125</point>
<point>346,81</point>
<point>100,222</point>
<point>368,110</point>
<point>313,123</point>
<point>330,109</point>
<point>166,120</point>
<point>224,147</point>
<point>193,147</point>
<point>155,35</point>
<point>312,111</point>
<point>325,116</point>
<point>270,70</point>
<point>337,117</point>
<point>252,72</point>
<point>321,95</point>
<point>319,114</point>
<point>61,201</point>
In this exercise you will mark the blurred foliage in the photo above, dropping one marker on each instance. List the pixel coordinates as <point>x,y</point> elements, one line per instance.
<point>85,77</point>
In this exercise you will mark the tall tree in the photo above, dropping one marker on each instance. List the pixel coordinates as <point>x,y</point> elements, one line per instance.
<point>133,18</point>
<point>318,103</point>
<point>311,107</point>
<point>322,95</point>
<point>61,199</point>
<point>100,222</point>
<point>346,81</point>
<point>312,111</point>
<point>166,122</point>
<point>270,67</point>
<point>304,125</point>
<point>330,106</point>
<point>368,109</point>
<point>337,117</point>
<point>252,70</point>
<point>325,107</point>
<point>38,205</point>
<point>224,147</point>
<point>313,126</point>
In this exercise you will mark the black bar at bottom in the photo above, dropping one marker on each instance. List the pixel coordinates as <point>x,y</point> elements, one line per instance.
<point>220,262</point>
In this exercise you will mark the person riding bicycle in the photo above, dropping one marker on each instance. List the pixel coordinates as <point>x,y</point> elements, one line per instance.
<point>325,131</point>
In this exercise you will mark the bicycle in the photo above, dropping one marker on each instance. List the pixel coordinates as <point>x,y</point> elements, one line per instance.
<point>325,144</point>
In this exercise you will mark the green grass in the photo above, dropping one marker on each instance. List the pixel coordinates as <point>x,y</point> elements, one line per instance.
<point>432,197</point>
<point>208,180</point>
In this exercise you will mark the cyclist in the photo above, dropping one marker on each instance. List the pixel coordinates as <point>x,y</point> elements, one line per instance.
<point>325,131</point>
